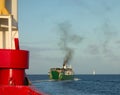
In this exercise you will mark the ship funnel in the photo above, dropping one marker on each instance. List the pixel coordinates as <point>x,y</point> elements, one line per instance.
<point>3,10</point>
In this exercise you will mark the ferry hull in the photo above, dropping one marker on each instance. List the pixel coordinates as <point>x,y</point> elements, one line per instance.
<point>55,75</point>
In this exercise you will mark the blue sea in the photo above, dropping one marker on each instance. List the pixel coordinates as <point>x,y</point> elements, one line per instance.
<point>81,85</point>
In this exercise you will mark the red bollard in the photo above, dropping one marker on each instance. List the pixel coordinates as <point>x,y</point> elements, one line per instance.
<point>12,73</point>
<point>12,66</point>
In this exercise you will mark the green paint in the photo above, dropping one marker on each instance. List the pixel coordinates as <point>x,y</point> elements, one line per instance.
<point>61,74</point>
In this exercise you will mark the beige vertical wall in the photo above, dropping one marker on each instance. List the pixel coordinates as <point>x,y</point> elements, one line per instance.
<point>12,7</point>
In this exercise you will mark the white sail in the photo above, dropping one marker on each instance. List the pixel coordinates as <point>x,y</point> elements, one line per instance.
<point>94,72</point>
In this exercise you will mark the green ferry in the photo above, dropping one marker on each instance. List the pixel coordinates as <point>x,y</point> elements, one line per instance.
<point>65,73</point>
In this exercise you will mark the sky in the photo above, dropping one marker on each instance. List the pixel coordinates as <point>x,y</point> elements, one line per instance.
<point>96,22</point>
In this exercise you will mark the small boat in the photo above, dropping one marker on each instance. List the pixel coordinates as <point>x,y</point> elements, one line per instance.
<point>94,72</point>
<point>65,73</point>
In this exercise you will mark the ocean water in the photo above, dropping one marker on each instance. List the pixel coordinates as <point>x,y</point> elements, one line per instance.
<point>81,85</point>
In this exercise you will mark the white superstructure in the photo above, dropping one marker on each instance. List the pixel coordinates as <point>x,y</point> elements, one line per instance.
<point>8,24</point>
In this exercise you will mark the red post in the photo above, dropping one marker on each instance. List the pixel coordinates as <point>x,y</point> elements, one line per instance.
<point>16,40</point>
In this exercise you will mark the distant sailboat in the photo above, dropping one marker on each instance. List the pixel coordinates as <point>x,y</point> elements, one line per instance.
<point>94,72</point>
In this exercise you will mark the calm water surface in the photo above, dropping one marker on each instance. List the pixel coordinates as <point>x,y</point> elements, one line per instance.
<point>81,85</point>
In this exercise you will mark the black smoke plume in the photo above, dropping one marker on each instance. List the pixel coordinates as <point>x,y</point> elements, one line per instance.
<point>67,41</point>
